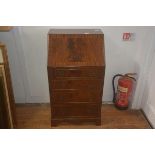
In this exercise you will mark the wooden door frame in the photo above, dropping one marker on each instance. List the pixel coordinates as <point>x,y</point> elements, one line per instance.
<point>4,66</point>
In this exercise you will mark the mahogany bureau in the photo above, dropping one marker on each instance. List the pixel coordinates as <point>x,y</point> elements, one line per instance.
<point>76,67</point>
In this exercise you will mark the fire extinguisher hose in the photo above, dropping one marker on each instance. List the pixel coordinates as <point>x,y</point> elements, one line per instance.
<point>113,85</point>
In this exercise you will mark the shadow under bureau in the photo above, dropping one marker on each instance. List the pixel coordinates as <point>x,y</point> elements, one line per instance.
<point>76,67</point>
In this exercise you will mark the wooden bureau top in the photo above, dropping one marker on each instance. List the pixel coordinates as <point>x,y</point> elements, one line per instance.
<point>75,31</point>
<point>75,48</point>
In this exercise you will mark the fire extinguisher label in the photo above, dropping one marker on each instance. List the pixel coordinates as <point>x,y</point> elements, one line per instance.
<point>122,89</point>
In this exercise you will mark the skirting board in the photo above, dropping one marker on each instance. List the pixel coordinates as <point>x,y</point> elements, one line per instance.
<point>38,101</point>
<point>151,125</point>
<point>32,99</point>
<point>149,116</point>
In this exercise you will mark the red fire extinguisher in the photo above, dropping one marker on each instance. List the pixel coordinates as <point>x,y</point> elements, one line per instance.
<point>122,97</point>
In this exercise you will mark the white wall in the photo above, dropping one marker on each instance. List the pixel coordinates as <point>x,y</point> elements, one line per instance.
<point>34,49</point>
<point>15,66</point>
<point>142,64</point>
<point>27,47</point>
<point>148,99</point>
<point>146,86</point>
<point>121,55</point>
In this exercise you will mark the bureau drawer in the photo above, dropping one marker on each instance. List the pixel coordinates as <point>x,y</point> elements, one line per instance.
<point>78,84</point>
<point>97,72</point>
<point>76,111</point>
<point>76,96</point>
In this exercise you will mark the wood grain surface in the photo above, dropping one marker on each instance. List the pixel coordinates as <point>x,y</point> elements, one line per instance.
<point>38,116</point>
<point>76,68</point>
<point>75,50</point>
<point>5,28</point>
<point>10,95</point>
